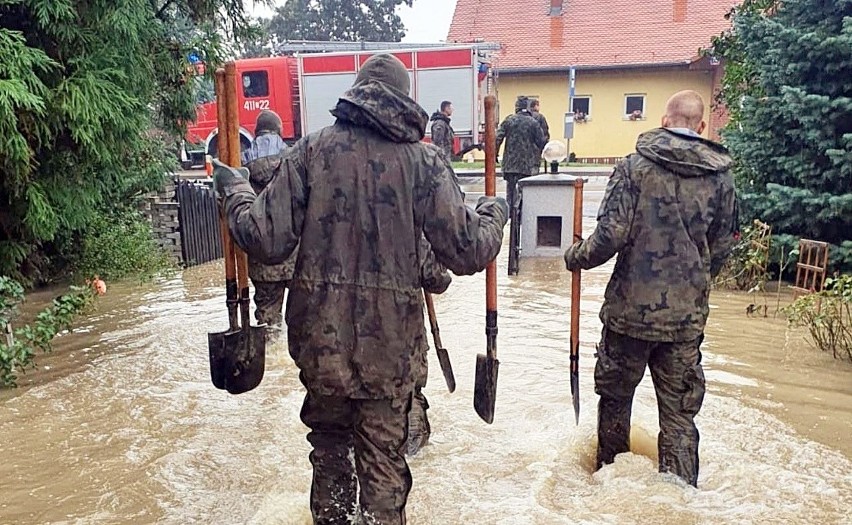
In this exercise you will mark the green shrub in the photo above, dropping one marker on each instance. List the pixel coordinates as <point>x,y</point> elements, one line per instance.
<point>18,350</point>
<point>118,245</point>
<point>827,315</point>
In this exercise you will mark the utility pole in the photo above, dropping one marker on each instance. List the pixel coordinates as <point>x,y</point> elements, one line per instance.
<point>569,115</point>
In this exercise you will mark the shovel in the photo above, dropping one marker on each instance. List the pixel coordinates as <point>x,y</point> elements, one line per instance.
<point>216,340</point>
<point>246,349</point>
<point>238,356</point>
<point>575,304</point>
<point>485,385</point>
<point>443,355</point>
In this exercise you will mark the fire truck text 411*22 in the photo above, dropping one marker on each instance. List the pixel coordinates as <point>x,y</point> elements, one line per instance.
<point>303,87</point>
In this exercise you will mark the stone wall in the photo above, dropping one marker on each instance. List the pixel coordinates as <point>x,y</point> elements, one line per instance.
<point>161,210</point>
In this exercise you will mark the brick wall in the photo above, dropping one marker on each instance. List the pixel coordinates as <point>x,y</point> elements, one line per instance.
<point>161,210</point>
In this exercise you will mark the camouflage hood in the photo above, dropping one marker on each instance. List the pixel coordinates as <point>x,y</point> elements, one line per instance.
<point>380,107</point>
<point>687,156</point>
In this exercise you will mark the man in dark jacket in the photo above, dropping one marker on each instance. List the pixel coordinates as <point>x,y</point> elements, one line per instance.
<point>263,160</point>
<point>669,212</point>
<point>442,132</point>
<point>524,141</point>
<point>357,197</point>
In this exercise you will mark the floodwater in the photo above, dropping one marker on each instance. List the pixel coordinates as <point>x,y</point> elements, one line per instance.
<point>122,425</point>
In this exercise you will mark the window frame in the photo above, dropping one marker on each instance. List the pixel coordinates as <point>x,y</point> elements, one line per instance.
<point>589,105</point>
<point>251,74</point>
<point>626,114</point>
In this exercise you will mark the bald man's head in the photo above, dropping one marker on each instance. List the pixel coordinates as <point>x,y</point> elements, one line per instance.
<point>685,109</point>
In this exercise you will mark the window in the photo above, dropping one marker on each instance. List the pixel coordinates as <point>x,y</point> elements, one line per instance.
<point>255,84</point>
<point>634,107</point>
<point>581,107</point>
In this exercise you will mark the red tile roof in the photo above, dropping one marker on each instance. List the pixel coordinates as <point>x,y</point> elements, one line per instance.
<point>591,33</point>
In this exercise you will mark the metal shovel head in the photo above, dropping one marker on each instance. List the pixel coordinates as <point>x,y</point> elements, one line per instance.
<point>218,365</point>
<point>447,369</point>
<point>485,387</point>
<point>245,359</point>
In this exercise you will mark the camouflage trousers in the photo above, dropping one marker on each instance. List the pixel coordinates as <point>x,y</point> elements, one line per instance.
<point>679,384</point>
<point>269,302</point>
<point>419,429</point>
<point>513,198</point>
<point>358,444</point>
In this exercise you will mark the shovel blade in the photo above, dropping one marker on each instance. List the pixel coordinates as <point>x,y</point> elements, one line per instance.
<point>245,359</point>
<point>485,387</point>
<point>575,396</point>
<point>447,369</point>
<point>218,365</point>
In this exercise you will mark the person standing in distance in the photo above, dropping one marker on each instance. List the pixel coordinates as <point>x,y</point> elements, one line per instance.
<point>524,141</point>
<point>442,132</point>
<point>263,161</point>
<point>535,110</point>
<point>357,197</point>
<point>670,213</point>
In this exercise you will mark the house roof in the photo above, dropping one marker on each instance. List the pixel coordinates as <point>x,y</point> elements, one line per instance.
<point>591,34</point>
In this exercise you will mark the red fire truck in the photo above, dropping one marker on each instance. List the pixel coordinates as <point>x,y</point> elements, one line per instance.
<point>303,87</point>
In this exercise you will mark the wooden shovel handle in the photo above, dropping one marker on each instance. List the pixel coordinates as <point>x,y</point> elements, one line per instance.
<point>433,319</point>
<point>222,149</point>
<point>232,159</point>
<point>575,278</point>
<point>491,191</point>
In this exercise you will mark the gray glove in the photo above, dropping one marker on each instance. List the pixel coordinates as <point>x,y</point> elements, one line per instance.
<point>571,262</point>
<point>225,176</point>
<point>495,207</point>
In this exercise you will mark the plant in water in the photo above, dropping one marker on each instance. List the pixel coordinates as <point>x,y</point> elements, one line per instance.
<point>18,347</point>
<point>827,315</point>
<point>746,268</point>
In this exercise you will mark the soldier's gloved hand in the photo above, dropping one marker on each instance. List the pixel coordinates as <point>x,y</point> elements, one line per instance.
<point>224,176</point>
<point>495,207</point>
<point>571,262</point>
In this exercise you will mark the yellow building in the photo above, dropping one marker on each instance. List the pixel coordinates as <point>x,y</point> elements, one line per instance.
<point>629,58</point>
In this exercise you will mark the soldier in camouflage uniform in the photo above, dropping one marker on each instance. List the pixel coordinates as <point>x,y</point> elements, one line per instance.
<point>669,212</point>
<point>524,141</point>
<point>535,110</point>
<point>358,196</point>
<point>263,160</point>
<point>442,132</point>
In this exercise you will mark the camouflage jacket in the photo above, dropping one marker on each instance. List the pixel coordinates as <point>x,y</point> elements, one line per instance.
<point>545,127</point>
<point>524,141</point>
<point>358,196</point>
<point>263,160</point>
<point>670,212</point>
<point>442,134</point>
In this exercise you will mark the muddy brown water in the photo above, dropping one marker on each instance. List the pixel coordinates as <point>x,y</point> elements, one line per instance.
<point>122,425</point>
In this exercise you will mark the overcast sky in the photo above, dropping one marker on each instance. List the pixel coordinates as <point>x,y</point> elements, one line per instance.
<point>428,21</point>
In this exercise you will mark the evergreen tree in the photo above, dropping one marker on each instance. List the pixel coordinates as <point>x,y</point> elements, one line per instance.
<point>339,20</point>
<point>792,131</point>
<point>85,85</point>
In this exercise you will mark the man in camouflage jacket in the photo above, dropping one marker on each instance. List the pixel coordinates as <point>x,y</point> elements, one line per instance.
<point>441,131</point>
<point>263,160</point>
<point>521,158</point>
<point>535,111</point>
<point>357,197</point>
<point>669,212</point>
